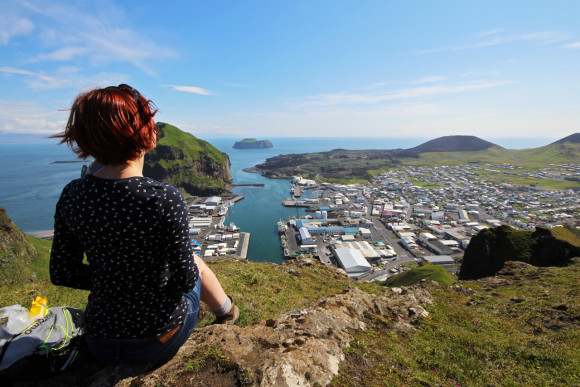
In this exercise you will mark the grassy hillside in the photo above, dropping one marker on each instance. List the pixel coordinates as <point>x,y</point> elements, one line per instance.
<point>494,154</point>
<point>191,164</point>
<point>415,275</point>
<point>520,328</point>
<point>556,153</point>
<point>192,146</point>
<point>23,293</point>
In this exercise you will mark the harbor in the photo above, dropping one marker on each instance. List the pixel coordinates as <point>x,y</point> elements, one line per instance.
<point>210,238</point>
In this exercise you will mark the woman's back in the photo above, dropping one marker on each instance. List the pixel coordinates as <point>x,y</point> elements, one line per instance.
<point>135,235</point>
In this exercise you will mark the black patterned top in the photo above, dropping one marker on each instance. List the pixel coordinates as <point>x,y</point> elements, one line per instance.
<point>135,235</point>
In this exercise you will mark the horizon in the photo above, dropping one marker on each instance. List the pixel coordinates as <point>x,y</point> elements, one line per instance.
<point>534,142</point>
<point>330,68</point>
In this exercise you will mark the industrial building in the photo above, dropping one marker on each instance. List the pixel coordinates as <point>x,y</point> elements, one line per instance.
<point>353,262</point>
<point>441,260</point>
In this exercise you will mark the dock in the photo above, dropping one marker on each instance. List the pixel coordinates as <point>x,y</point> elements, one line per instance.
<point>295,203</point>
<point>245,237</point>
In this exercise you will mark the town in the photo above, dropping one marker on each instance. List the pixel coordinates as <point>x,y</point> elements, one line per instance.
<point>406,215</point>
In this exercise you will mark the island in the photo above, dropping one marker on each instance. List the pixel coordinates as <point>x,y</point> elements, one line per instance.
<point>252,143</point>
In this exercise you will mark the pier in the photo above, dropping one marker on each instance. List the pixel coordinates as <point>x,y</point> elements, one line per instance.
<point>295,203</point>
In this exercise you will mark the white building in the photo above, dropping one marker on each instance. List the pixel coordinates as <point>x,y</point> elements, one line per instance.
<point>305,236</point>
<point>213,201</point>
<point>353,262</point>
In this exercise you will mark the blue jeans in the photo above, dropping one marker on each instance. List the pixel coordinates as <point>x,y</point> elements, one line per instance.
<point>149,350</point>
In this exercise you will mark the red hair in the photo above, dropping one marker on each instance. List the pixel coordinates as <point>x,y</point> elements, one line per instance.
<point>114,125</point>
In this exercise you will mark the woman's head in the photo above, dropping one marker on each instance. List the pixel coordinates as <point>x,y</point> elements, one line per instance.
<point>114,125</point>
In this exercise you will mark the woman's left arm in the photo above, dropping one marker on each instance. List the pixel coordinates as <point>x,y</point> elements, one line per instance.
<point>66,257</point>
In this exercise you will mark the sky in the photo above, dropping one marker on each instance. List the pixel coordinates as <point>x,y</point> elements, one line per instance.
<point>298,68</point>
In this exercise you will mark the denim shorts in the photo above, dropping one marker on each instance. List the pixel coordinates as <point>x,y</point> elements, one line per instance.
<point>149,350</point>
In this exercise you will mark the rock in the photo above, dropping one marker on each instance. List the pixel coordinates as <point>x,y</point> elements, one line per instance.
<point>303,347</point>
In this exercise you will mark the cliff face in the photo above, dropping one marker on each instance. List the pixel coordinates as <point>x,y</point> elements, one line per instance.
<point>15,252</point>
<point>188,163</point>
<point>491,248</point>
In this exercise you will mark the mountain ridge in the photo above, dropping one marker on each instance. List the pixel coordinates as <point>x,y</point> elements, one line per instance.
<point>458,143</point>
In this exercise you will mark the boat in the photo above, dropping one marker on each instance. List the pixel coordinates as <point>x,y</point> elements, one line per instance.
<point>281,227</point>
<point>223,210</point>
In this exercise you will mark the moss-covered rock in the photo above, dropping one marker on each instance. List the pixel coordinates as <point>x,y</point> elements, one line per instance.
<point>491,248</point>
<point>15,252</point>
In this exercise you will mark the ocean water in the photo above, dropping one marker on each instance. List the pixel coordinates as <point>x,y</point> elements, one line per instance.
<point>30,183</point>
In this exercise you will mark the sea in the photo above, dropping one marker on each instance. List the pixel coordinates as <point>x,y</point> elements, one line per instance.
<point>32,175</point>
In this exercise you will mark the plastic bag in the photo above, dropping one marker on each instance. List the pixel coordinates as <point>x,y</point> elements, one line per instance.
<point>18,318</point>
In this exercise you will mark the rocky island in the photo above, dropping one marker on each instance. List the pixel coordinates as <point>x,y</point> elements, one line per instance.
<point>252,143</point>
<point>188,163</point>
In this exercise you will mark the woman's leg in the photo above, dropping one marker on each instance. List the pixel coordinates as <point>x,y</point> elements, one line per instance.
<point>212,292</point>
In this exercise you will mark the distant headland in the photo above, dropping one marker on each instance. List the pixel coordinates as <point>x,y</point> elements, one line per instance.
<point>252,143</point>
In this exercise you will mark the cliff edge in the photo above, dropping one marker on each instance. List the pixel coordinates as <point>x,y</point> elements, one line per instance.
<point>187,162</point>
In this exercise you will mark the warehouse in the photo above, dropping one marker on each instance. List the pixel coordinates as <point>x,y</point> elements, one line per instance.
<point>352,261</point>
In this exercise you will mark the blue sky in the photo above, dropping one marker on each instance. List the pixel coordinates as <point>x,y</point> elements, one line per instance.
<point>301,68</point>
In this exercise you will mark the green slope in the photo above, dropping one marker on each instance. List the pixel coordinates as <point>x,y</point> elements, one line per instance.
<point>193,147</point>
<point>556,153</point>
<point>415,275</point>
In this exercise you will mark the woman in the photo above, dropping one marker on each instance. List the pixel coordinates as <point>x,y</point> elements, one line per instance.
<point>145,282</point>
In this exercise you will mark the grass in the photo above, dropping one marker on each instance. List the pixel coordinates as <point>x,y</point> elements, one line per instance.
<point>193,148</point>
<point>524,180</point>
<point>521,330</point>
<point>265,290</point>
<point>24,293</point>
<point>415,275</point>
<point>570,235</point>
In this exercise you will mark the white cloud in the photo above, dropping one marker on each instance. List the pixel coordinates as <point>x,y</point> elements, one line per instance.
<point>13,26</point>
<point>99,34</point>
<point>191,89</point>
<point>353,99</point>
<point>34,79</point>
<point>573,45</point>
<point>62,54</point>
<point>30,118</point>
<point>543,37</point>
<point>428,80</point>
<point>66,76</point>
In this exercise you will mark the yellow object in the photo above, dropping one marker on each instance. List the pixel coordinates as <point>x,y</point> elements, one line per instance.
<point>38,308</point>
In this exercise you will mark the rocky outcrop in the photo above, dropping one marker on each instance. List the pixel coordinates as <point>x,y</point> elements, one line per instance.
<point>489,249</point>
<point>188,163</point>
<point>300,348</point>
<point>252,143</point>
<point>15,252</point>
